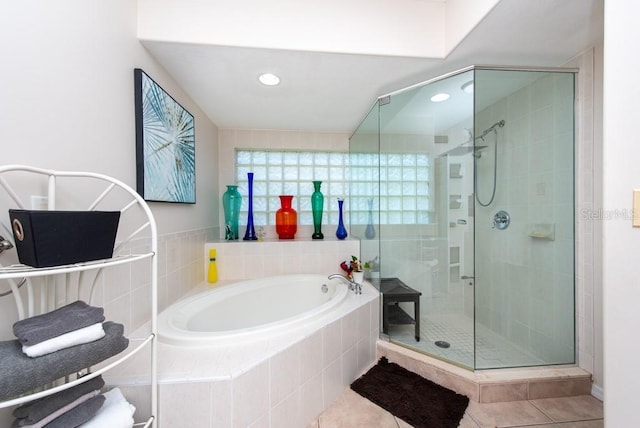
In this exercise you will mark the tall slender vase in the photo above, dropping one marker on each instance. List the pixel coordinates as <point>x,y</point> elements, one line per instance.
<point>317,202</point>
<point>231,201</point>
<point>370,231</point>
<point>341,232</point>
<point>286,219</point>
<point>250,234</point>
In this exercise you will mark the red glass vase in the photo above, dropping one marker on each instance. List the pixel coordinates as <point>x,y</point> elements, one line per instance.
<point>286,218</point>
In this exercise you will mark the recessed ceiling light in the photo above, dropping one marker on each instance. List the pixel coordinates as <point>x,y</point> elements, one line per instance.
<point>467,87</point>
<point>269,79</point>
<point>440,97</point>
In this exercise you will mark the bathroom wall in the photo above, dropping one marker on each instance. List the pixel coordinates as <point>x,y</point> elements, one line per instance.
<point>434,29</point>
<point>589,204</point>
<point>620,270</point>
<point>67,103</point>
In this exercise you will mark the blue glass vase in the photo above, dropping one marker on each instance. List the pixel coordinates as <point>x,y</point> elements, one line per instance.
<point>341,232</point>
<point>250,234</point>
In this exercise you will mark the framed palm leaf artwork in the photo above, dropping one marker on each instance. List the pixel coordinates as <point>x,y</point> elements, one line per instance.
<point>165,145</point>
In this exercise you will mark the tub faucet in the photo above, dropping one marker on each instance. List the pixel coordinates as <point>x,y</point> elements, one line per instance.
<point>353,286</point>
<point>5,244</point>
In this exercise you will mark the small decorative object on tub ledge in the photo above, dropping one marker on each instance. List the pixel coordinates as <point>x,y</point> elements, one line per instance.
<point>286,218</point>
<point>212,276</point>
<point>317,203</point>
<point>250,233</point>
<point>354,270</point>
<point>341,232</point>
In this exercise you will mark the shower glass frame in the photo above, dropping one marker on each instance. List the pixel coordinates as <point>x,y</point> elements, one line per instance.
<point>512,303</point>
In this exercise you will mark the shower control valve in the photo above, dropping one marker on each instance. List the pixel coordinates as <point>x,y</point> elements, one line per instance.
<point>501,220</point>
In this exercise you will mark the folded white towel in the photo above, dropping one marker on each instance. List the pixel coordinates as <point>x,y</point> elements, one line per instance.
<point>116,412</point>
<point>66,340</point>
<point>41,423</point>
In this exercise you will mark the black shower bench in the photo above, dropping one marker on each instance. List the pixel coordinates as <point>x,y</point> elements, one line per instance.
<point>393,292</point>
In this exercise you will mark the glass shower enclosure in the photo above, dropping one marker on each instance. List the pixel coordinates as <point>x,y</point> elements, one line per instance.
<point>462,193</point>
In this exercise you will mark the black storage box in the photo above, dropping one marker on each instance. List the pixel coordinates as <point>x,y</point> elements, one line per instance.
<point>53,238</point>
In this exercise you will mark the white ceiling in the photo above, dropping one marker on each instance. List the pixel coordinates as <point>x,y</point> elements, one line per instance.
<point>333,92</point>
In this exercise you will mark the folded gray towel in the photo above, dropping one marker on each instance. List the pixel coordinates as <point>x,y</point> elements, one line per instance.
<point>37,410</point>
<point>59,321</point>
<point>20,374</point>
<point>78,415</point>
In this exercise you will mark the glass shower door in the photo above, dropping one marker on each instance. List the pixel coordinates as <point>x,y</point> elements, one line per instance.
<point>426,222</point>
<point>524,237</point>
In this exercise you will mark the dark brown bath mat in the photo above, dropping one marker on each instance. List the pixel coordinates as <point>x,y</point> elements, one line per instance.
<point>410,397</point>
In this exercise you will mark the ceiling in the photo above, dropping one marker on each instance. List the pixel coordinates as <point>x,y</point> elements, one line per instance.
<point>333,92</point>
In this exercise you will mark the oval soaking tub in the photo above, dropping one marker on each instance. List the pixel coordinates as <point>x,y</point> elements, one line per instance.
<point>246,308</point>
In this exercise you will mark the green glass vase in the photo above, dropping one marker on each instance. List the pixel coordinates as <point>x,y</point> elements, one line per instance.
<point>231,202</point>
<point>317,203</point>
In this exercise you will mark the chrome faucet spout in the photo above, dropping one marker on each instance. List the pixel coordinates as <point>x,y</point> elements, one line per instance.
<point>353,286</point>
<point>5,244</point>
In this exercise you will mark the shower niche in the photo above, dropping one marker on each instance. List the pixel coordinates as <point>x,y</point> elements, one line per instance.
<point>436,174</point>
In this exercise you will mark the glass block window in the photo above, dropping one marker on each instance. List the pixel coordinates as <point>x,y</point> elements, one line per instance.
<point>399,183</point>
<point>400,180</point>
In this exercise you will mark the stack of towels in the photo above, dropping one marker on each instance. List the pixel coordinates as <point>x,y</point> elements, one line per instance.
<point>57,344</point>
<point>70,325</point>
<point>80,406</point>
<point>68,408</point>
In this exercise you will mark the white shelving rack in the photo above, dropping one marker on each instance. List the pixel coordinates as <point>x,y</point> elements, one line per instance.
<point>39,290</point>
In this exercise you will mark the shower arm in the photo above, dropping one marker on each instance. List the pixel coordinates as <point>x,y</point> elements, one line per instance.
<point>491,128</point>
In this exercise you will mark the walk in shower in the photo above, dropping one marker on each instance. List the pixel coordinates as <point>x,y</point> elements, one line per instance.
<point>462,192</point>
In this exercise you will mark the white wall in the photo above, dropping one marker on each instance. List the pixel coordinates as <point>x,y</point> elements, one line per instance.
<point>302,25</point>
<point>67,102</point>
<point>621,270</point>
<point>67,97</point>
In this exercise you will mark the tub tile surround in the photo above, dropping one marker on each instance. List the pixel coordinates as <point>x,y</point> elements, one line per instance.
<point>239,260</point>
<point>491,386</point>
<point>123,290</point>
<point>283,380</point>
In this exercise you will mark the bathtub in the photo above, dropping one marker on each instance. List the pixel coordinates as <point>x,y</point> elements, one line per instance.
<point>280,352</point>
<point>250,308</point>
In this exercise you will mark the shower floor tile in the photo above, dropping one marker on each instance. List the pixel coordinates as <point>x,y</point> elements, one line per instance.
<point>493,351</point>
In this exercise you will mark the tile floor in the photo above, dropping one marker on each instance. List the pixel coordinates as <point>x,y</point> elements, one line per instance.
<point>584,411</point>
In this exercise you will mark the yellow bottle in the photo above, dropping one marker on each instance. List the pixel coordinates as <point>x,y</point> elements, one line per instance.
<point>213,269</point>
